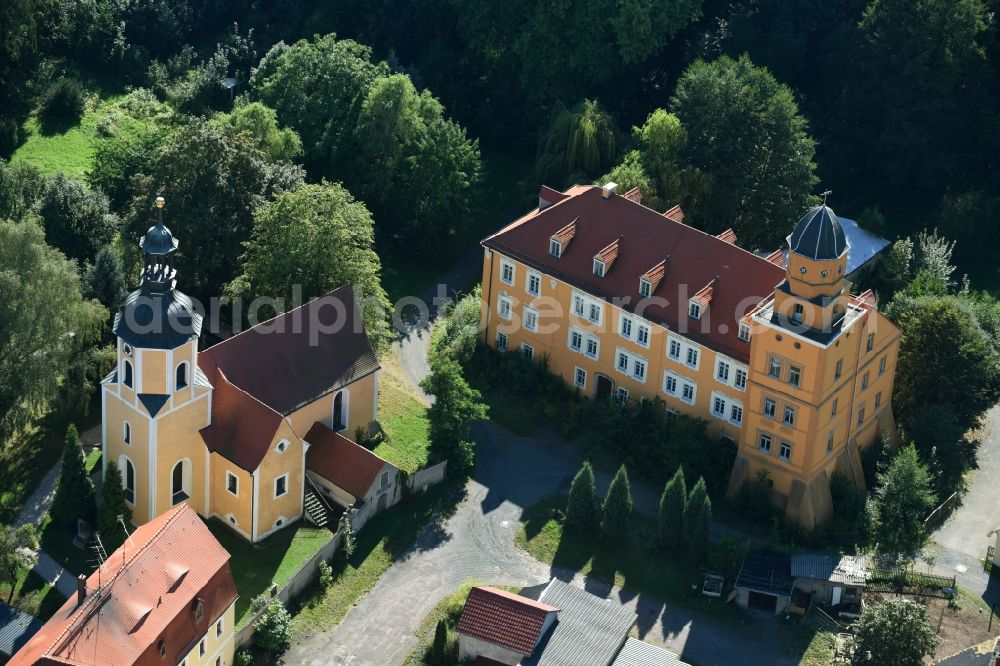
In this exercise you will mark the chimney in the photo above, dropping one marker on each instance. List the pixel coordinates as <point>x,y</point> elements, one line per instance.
<point>81,589</point>
<point>609,190</point>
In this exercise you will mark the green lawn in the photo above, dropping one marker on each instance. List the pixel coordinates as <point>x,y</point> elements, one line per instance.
<point>383,539</point>
<point>33,595</point>
<point>256,566</point>
<point>403,417</point>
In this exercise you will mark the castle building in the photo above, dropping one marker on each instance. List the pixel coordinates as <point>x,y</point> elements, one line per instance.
<point>225,429</point>
<point>166,596</point>
<point>630,304</point>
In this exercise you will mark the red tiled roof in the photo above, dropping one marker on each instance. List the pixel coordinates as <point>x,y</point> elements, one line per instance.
<point>696,258</point>
<point>610,253</point>
<point>729,236</point>
<point>242,427</point>
<point>675,214</point>
<point>777,258</point>
<point>504,619</point>
<point>549,196</point>
<point>656,273</point>
<point>348,465</point>
<point>295,358</point>
<point>148,589</point>
<point>565,235</point>
<point>634,195</point>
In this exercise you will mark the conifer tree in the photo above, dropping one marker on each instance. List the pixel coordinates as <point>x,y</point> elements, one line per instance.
<point>439,649</point>
<point>114,505</point>
<point>673,505</point>
<point>75,491</point>
<point>581,508</point>
<point>105,279</point>
<point>698,520</point>
<point>617,507</point>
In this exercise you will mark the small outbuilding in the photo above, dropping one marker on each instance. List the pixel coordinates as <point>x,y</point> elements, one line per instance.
<point>16,629</point>
<point>830,579</point>
<point>765,582</point>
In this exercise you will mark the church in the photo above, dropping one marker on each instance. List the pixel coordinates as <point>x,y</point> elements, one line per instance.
<point>254,430</point>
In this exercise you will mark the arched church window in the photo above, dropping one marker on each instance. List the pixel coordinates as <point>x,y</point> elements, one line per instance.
<point>128,374</point>
<point>128,478</point>
<point>181,379</point>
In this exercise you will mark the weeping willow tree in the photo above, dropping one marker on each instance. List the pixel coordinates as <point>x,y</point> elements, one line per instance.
<point>579,144</point>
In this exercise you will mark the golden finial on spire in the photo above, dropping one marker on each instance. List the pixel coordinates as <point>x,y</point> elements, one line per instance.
<point>160,202</point>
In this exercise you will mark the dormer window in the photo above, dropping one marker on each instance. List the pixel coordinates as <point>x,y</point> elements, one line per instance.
<point>599,267</point>
<point>555,248</point>
<point>645,288</point>
<point>694,309</point>
<point>744,332</point>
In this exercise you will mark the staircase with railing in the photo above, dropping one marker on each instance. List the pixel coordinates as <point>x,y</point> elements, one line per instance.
<point>317,509</point>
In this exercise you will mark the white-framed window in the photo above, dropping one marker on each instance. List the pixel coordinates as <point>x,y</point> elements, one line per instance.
<point>838,369</point>
<point>689,391</point>
<point>599,267</point>
<point>785,451</point>
<point>764,442</point>
<point>864,382</point>
<point>621,364</point>
<point>789,417</point>
<point>878,399</point>
<point>639,369</point>
<point>719,406</point>
<point>861,414</point>
<point>736,413</point>
<point>528,351</point>
<point>575,340</point>
<point>580,377</point>
<point>595,313</point>
<point>674,349</point>
<point>740,380</point>
<point>881,366</point>
<point>833,408</point>
<point>282,445</point>
<point>625,327</point>
<point>127,433</point>
<point>744,332</point>
<point>534,284</point>
<point>233,484</point>
<point>218,629</point>
<point>797,311</point>
<point>555,248</point>
<point>645,288</point>
<point>621,395</point>
<point>593,347</point>
<point>505,307</point>
<point>794,375</point>
<point>501,341</point>
<point>280,485</point>
<point>201,648</point>
<point>769,407</point>
<point>774,368</point>
<point>530,319</point>
<point>670,381</point>
<point>692,357</point>
<point>578,305</point>
<point>722,371</point>
<point>506,272</point>
<point>694,310</point>
<point>642,335</point>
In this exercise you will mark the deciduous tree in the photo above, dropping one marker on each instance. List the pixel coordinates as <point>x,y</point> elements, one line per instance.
<point>456,407</point>
<point>893,631</point>
<point>18,551</point>
<point>579,144</point>
<point>902,499</point>
<point>77,220</point>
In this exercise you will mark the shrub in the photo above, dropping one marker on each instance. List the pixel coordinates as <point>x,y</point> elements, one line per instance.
<point>62,103</point>
<point>243,657</point>
<point>141,103</point>
<point>325,574</point>
<point>726,555</point>
<point>273,628</point>
<point>755,498</point>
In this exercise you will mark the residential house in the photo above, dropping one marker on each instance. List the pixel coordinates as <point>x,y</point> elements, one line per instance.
<point>165,597</point>
<point>224,429</point>
<point>565,626</point>
<point>629,304</point>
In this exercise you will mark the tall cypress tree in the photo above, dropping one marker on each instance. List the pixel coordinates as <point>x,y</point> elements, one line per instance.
<point>698,520</point>
<point>617,507</point>
<point>581,508</point>
<point>673,505</point>
<point>114,505</point>
<point>75,491</point>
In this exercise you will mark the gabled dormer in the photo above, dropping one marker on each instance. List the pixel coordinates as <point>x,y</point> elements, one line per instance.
<point>698,304</point>
<point>560,240</point>
<point>650,280</point>
<point>674,214</point>
<point>606,257</point>
<point>727,236</point>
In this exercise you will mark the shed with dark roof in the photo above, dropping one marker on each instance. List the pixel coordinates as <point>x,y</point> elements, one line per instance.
<point>16,629</point>
<point>765,582</point>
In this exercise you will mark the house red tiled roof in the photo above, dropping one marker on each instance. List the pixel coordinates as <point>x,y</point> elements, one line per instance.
<point>634,195</point>
<point>728,236</point>
<point>299,356</point>
<point>145,592</point>
<point>696,258</point>
<point>502,618</point>
<point>675,214</point>
<point>348,465</point>
<point>242,427</point>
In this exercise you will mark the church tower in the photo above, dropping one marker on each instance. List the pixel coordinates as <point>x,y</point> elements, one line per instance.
<point>156,399</point>
<point>822,364</point>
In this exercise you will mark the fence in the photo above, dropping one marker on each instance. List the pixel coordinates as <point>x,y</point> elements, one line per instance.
<point>939,514</point>
<point>903,581</point>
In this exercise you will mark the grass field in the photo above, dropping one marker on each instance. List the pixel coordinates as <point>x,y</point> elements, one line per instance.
<point>384,538</point>
<point>403,417</point>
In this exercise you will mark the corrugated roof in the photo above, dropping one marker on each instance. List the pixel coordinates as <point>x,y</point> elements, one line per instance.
<point>589,630</point>
<point>348,465</point>
<point>502,618</point>
<point>298,356</point>
<point>16,628</point>
<point>696,258</point>
<point>639,653</point>
<point>846,569</point>
<point>144,593</point>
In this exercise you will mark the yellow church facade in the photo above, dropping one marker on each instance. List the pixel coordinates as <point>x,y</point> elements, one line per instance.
<point>223,429</point>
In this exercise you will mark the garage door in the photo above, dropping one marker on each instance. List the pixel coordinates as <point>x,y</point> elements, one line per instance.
<point>763,602</point>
